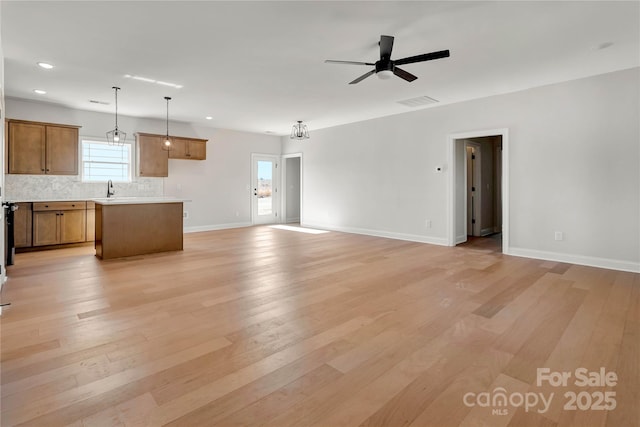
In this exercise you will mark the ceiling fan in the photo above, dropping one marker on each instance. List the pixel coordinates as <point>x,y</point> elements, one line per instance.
<point>386,67</point>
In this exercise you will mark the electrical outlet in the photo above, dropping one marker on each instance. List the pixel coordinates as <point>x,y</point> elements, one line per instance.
<point>427,223</point>
<point>185,214</point>
<point>559,235</point>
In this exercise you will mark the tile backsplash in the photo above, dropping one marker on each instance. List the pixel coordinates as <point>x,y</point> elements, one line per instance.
<point>50,187</point>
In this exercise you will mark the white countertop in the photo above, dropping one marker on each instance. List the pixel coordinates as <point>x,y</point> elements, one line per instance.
<point>137,200</point>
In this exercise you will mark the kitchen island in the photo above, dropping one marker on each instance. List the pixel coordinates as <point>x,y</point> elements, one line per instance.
<point>128,226</point>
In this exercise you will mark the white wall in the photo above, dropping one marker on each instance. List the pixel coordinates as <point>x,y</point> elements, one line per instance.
<point>217,186</point>
<point>574,167</point>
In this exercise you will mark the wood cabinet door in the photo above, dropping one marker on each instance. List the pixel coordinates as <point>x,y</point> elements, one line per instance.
<point>152,159</point>
<point>72,226</point>
<point>178,148</point>
<point>45,228</point>
<point>197,150</point>
<point>27,148</point>
<point>91,225</point>
<point>189,149</point>
<point>22,225</point>
<point>62,151</point>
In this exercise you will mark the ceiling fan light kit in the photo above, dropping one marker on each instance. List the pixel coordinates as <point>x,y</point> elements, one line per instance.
<point>116,136</point>
<point>299,131</point>
<point>385,67</point>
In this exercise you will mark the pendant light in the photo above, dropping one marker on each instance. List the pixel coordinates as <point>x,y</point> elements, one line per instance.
<point>116,136</point>
<point>166,144</point>
<point>299,131</point>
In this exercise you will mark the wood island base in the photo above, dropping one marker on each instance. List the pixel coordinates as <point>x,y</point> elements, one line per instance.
<point>128,229</point>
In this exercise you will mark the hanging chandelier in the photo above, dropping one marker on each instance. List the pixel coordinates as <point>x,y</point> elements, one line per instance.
<point>166,145</point>
<point>299,131</point>
<point>116,136</point>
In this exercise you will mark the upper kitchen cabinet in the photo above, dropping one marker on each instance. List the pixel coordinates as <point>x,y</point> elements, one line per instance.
<point>188,148</point>
<point>42,148</point>
<point>152,160</point>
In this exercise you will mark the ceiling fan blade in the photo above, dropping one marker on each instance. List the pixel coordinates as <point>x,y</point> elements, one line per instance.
<point>424,57</point>
<point>362,77</point>
<point>386,46</point>
<point>331,61</point>
<point>404,74</point>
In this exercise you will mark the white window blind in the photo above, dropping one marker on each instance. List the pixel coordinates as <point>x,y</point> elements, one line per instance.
<point>102,162</point>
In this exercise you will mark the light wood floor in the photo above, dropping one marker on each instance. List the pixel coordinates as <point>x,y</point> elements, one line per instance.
<point>259,326</point>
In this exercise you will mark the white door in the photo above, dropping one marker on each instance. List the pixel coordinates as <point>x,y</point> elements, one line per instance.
<point>264,189</point>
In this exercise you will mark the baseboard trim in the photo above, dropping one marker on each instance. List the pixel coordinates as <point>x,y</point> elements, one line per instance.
<point>461,239</point>
<point>214,227</point>
<point>487,231</point>
<point>611,264</point>
<point>293,220</point>
<point>377,233</point>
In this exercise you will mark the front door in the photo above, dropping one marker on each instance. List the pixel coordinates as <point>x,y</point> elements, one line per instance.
<point>264,189</point>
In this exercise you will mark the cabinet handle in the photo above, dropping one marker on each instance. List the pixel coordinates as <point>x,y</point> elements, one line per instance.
<point>46,206</point>
<point>42,170</point>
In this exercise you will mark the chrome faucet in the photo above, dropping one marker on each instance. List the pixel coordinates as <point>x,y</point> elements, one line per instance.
<point>110,190</point>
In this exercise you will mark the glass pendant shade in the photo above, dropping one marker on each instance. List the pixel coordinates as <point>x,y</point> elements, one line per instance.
<point>299,131</point>
<point>116,136</point>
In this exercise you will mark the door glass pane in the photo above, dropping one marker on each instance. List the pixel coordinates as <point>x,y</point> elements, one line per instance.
<point>265,177</point>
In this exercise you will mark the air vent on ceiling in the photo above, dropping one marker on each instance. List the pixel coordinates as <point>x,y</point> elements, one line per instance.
<point>418,102</point>
<point>93,101</point>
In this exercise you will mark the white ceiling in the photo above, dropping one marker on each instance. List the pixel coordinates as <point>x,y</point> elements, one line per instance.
<point>258,66</point>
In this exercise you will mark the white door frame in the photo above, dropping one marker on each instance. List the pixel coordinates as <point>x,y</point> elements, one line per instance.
<point>275,185</point>
<point>451,193</point>
<point>477,179</point>
<point>285,191</point>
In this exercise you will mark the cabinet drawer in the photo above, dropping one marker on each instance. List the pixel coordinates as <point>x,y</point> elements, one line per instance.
<point>59,206</point>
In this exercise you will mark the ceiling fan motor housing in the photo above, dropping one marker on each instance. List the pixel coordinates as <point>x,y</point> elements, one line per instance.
<point>384,65</point>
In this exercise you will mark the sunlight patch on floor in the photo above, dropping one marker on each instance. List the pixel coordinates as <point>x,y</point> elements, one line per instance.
<point>299,229</point>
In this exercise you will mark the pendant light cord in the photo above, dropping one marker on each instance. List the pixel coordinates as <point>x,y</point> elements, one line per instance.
<point>167,98</point>
<point>116,89</point>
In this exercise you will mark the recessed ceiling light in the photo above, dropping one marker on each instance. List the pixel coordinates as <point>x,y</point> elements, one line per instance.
<point>209,118</point>
<point>40,91</point>
<point>45,65</point>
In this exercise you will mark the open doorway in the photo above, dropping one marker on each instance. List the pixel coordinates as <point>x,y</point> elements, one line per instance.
<point>478,190</point>
<point>292,186</point>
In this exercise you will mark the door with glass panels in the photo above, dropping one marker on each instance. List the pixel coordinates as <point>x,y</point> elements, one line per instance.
<point>264,189</point>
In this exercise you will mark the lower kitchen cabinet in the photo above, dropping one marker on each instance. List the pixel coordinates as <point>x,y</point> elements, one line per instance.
<point>56,223</point>
<point>22,227</point>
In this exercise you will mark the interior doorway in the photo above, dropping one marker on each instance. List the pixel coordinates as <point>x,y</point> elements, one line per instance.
<point>292,188</point>
<point>478,201</point>
<point>265,182</point>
